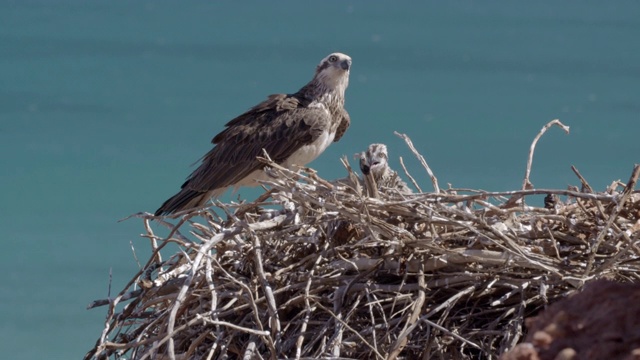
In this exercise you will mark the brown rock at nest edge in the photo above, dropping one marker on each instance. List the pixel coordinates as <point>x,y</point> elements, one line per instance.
<point>601,322</point>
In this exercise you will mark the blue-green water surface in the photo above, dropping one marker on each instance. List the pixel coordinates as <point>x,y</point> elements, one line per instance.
<point>105,104</point>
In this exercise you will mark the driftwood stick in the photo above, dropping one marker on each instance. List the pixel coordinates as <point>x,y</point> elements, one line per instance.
<point>587,188</point>
<point>585,184</point>
<point>526,184</point>
<point>422,160</point>
<point>412,320</point>
<point>334,316</point>
<point>413,181</point>
<point>274,320</point>
<point>485,194</point>
<point>628,190</point>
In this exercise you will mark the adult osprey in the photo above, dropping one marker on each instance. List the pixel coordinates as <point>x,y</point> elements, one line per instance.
<point>376,173</point>
<point>292,128</point>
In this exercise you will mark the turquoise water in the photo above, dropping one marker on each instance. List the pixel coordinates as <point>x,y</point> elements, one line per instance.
<point>104,105</point>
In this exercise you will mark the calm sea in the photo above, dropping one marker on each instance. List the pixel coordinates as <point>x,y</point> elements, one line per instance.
<point>105,104</point>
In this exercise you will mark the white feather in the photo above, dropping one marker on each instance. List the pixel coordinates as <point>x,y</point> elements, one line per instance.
<point>308,153</point>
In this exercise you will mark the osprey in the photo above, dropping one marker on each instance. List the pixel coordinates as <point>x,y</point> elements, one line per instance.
<point>377,175</point>
<point>291,128</point>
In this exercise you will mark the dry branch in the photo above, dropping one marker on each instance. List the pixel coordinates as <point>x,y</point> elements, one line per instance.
<point>526,184</point>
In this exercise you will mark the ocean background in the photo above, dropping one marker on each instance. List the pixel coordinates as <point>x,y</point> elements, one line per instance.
<point>105,104</point>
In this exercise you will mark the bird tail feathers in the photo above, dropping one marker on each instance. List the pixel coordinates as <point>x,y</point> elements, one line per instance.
<point>183,200</point>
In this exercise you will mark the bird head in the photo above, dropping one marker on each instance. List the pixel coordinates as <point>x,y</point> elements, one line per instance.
<point>333,71</point>
<point>374,161</point>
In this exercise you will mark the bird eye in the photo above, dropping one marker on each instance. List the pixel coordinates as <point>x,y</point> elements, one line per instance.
<point>333,58</point>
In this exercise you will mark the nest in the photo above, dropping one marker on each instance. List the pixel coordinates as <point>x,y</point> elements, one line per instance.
<point>315,269</point>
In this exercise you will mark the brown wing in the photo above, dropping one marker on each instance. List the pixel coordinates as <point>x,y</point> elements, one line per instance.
<point>280,125</point>
<point>344,125</point>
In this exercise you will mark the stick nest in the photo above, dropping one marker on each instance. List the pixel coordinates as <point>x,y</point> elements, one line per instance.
<point>322,270</point>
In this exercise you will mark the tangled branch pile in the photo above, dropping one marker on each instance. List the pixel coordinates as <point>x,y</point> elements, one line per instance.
<point>329,272</point>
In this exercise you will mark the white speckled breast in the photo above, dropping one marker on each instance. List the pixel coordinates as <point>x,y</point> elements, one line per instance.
<point>302,157</point>
<point>308,153</point>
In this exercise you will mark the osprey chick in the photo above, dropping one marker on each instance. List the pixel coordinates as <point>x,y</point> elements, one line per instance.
<point>377,175</point>
<point>292,128</point>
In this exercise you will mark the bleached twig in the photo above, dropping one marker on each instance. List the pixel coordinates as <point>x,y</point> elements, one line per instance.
<point>526,184</point>
<point>422,160</point>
